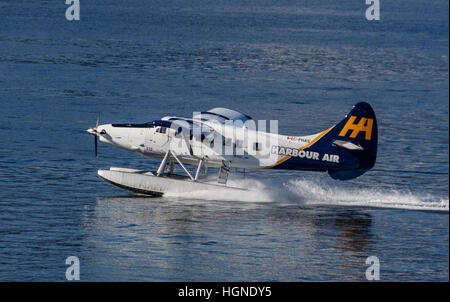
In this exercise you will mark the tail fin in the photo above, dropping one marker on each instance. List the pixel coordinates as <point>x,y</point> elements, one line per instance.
<point>355,138</point>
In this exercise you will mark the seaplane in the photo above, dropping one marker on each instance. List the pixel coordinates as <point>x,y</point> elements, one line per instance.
<point>223,138</point>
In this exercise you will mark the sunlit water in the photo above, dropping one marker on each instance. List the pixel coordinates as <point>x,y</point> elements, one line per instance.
<point>303,64</point>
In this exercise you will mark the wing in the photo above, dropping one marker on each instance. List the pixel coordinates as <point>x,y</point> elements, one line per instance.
<point>197,124</point>
<point>222,115</point>
<point>188,126</point>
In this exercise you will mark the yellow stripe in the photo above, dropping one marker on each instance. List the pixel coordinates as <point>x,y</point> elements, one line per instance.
<point>301,148</point>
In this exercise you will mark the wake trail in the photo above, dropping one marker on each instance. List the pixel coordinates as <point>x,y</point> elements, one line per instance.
<point>317,192</point>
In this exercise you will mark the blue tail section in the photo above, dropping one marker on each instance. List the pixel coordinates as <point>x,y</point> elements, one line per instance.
<point>354,140</point>
<point>346,150</point>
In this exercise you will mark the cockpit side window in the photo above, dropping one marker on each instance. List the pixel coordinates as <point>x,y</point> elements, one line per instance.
<point>161,130</point>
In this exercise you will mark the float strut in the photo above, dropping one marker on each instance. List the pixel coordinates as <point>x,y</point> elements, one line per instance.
<point>182,166</point>
<point>162,166</point>
<point>198,169</point>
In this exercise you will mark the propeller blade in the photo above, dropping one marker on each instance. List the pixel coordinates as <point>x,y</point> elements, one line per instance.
<point>96,143</point>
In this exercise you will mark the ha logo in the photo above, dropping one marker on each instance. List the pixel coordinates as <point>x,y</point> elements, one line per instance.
<point>364,125</point>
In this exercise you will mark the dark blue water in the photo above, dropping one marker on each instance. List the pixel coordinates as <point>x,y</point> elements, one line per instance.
<point>303,63</point>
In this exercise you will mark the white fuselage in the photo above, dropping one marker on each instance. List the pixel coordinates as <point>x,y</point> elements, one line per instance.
<point>242,147</point>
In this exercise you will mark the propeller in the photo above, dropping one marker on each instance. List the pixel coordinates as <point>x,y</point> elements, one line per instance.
<point>94,132</point>
<point>96,138</point>
<point>96,145</point>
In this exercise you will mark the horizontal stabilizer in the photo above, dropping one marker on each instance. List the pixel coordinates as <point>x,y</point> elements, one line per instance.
<point>348,145</point>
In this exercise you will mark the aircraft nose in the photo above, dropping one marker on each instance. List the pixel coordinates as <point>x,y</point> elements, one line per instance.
<point>98,130</point>
<point>92,131</point>
<point>102,129</point>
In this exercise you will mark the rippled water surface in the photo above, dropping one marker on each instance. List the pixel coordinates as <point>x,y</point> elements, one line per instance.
<point>304,64</point>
